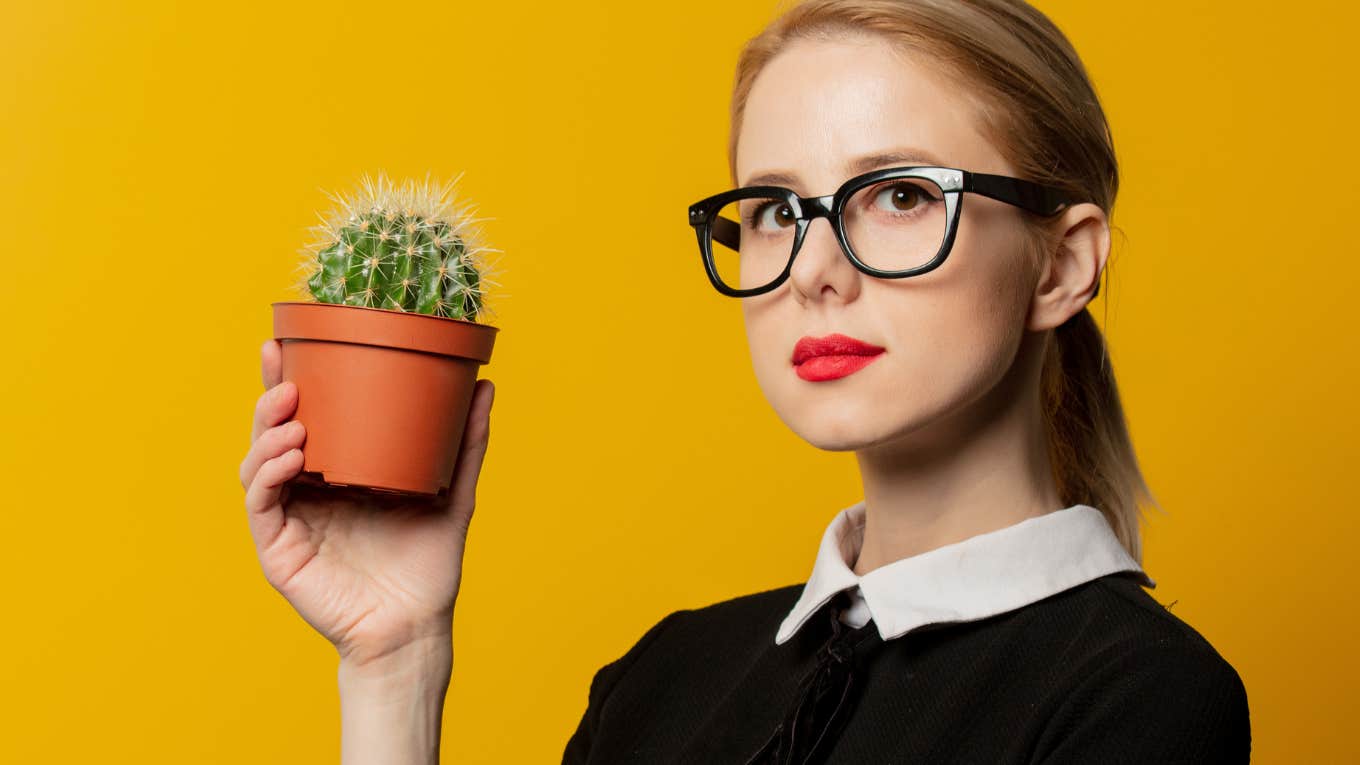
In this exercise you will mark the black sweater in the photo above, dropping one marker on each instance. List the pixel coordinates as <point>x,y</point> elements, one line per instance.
<point>1098,673</point>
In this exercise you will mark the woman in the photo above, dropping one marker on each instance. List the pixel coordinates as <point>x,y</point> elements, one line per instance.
<point>983,603</point>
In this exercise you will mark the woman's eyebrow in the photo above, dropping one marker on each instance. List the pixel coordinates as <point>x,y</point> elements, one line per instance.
<point>856,166</point>
<point>897,157</point>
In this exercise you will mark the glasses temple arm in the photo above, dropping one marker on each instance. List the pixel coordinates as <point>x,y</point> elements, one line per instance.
<point>1037,198</point>
<point>726,232</point>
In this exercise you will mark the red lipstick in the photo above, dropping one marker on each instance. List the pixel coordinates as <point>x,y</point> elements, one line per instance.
<point>831,357</point>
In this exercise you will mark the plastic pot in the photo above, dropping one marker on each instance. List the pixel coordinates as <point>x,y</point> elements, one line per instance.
<point>384,394</point>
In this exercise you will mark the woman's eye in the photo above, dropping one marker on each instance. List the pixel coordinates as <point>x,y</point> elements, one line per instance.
<point>771,216</point>
<point>900,197</point>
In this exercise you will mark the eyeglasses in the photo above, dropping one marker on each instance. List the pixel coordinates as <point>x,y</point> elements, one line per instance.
<point>891,223</point>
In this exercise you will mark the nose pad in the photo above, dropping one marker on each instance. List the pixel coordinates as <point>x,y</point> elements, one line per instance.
<point>823,268</point>
<point>817,206</point>
<point>827,230</point>
<point>814,209</point>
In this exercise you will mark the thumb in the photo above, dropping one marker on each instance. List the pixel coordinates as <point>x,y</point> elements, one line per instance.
<point>462,495</point>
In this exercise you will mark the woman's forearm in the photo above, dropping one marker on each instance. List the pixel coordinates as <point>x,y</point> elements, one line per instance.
<point>391,708</point>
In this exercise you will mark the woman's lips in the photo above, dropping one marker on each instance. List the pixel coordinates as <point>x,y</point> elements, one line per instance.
<point>833,356</point>
<point>820,368</point>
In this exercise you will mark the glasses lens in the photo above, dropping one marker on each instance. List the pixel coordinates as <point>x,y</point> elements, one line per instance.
<point>897,224</point>
<point>752,241</point>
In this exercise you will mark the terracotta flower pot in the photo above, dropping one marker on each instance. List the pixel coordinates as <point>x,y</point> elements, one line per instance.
<point>384,394</point>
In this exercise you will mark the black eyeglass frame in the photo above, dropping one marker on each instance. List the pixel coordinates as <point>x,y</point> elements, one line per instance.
<point>1037,198</point>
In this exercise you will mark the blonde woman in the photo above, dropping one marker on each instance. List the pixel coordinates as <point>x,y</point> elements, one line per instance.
<point>919,218</point>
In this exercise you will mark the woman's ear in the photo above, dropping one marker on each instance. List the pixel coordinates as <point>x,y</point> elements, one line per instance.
<point>1070,271</point>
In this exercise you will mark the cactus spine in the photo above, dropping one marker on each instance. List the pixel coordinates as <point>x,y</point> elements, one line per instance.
<point>401,249</point>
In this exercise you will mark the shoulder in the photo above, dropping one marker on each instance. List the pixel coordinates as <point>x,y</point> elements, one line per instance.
<point>750,614</point>
<point>1121,622</point>
<point>749,610</point>
<point>1126,596</point>
<point>677,656</point>
<point>1128,666</point>
<point>1111,614</point>
<point>1166,639</point>
<point>740,625</point>
<point>737,628</point>
<point>1145,637</point>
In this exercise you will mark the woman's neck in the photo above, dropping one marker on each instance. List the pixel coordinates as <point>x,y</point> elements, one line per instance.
<point>980,469</point>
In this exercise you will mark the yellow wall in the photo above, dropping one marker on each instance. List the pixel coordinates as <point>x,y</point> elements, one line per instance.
<point>160,165</point>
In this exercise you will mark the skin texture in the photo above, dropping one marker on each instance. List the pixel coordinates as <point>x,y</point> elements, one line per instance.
<point>946,424</point>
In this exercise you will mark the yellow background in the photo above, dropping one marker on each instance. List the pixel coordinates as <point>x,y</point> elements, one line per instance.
<point>162,162</point>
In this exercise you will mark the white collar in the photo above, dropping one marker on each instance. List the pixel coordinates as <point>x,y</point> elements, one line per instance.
<point>983,575</point>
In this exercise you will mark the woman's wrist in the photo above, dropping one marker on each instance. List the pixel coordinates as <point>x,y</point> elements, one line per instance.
<point>391,707</point>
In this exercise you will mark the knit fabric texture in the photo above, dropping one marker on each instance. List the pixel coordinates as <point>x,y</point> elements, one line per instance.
<point>1098,673</point>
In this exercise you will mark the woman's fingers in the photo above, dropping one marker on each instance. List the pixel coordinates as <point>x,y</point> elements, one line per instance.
<point>279,400</point>
<point>270,444</point>
<point>264,508</point>
<point>275,455</point>
<point>471,454</point>
<point>271,363</point>
<point>273,406</point>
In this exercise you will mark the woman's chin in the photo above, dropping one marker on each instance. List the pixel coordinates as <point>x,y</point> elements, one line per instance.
<point>842,426</point>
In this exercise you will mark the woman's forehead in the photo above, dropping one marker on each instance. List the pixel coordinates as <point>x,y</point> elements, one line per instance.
<point>819,107</point>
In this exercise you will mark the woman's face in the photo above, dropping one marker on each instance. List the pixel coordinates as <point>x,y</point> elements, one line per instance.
<point>951,334</point>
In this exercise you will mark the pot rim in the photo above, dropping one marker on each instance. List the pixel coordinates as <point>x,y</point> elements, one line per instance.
<point>385,327</point>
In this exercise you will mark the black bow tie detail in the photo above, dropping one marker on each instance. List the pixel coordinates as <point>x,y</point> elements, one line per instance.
<point>826,695</point>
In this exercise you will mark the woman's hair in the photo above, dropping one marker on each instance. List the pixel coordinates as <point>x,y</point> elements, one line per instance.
<point>1039,109</point>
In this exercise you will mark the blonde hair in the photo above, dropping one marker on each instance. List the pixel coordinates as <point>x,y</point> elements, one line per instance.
<point>1039,109</point>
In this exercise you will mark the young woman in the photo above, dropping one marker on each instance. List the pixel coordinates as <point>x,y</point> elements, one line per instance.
<point>920,218</point>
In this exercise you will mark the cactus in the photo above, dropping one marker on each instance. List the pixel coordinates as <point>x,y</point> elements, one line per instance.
<point>400,248</point>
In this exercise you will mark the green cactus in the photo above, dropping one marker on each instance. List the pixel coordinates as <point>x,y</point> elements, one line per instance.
<point>398,249</point>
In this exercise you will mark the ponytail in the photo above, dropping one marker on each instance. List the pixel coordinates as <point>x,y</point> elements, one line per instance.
<point>1089,446</point>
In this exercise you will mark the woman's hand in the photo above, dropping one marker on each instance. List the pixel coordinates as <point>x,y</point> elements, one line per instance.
<point>373,573</point>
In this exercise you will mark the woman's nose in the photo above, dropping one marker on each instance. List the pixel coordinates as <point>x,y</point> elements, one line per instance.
<point>820,261</point>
